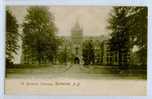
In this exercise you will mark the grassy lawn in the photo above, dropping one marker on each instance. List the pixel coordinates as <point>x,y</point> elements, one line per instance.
<point>73,71</point>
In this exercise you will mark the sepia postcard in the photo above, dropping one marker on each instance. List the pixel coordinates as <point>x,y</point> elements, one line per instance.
<point>76,50</point>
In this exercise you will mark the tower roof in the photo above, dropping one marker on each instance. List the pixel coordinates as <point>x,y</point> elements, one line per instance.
<point>76,28</point>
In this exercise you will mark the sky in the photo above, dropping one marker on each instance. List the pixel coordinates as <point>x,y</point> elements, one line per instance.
<point>92,19</point>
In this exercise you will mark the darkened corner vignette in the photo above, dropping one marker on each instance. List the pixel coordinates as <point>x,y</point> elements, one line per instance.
<point>77,42</point>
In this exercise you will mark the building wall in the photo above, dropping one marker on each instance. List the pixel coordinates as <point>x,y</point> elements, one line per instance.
<point>71,49</point>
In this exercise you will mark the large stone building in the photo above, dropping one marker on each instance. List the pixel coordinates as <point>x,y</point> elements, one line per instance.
<point>71,49</point>
<point>74,45</point>
<point>77,41</point>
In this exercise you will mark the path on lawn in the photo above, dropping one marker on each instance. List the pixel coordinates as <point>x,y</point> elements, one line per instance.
<point>75,70</point>
<point>68,71</point>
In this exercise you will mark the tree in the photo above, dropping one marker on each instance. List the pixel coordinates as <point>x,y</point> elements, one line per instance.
<point>119,41</point>
<point>11,37</point>
<point>125,24</point>
<point>88,52</point>
<point>101,52</point>
<point>39,34</point>
<point>63,55</point>
<point>138,31</point>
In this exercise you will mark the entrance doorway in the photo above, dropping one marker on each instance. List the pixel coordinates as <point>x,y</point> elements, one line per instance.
<point>76,60</point>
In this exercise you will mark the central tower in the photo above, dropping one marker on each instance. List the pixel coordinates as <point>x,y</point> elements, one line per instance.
<point>77,39</point>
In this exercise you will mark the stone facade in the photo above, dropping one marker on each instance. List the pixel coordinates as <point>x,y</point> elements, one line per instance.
<point>77,41</point>
<point>72,46</point>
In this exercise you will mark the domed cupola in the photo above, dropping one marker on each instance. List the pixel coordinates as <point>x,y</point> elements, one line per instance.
<point>76,33</point>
